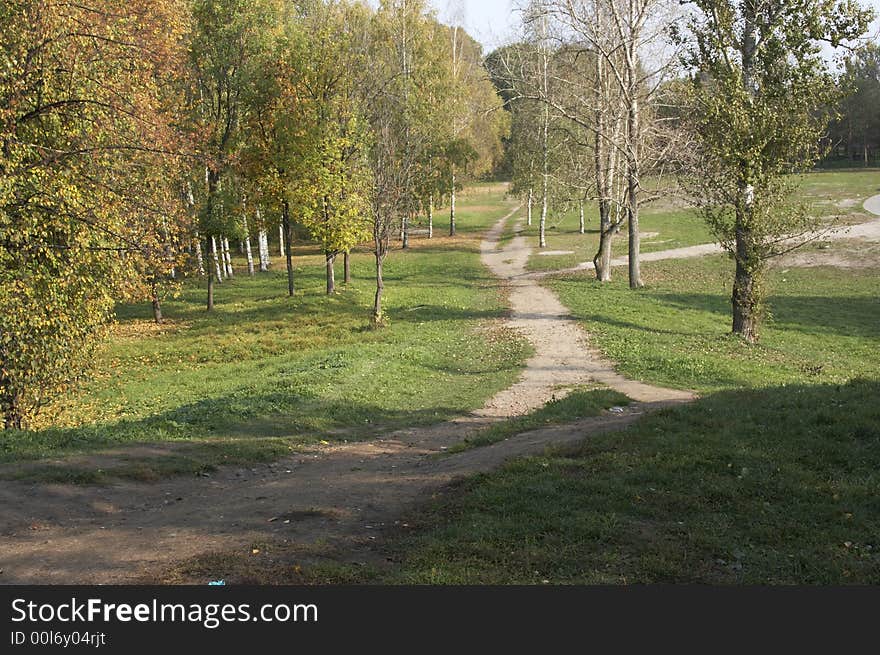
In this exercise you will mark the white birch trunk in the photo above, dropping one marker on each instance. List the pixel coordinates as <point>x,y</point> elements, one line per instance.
<point>431,217</point>
<point>264,251</point>
<point>247,247</point>
<point>227,258</point>
<point>199,257</point>
<point>529,209</point>
<point>281,241</point>
<point>542,228</point>
<point>452,208</point>
<point>216,259</point>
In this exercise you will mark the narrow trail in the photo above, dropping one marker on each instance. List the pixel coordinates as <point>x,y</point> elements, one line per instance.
<point>338,495</point>
<point>867,230</point>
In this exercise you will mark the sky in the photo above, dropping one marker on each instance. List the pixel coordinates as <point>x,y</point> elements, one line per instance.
<point>492,22</point>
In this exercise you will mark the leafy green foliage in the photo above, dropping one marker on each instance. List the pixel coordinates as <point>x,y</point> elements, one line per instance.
<point>757,108</point>
<point>86,127</point>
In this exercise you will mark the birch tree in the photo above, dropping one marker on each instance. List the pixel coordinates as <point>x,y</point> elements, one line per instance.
<point>227,40</point>
<point>628,39</point>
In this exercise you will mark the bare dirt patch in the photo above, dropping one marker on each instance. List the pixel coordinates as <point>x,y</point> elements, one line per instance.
<point>849,253</point>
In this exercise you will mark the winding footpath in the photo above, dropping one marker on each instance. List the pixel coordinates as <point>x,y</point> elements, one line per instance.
<point>337,496</point>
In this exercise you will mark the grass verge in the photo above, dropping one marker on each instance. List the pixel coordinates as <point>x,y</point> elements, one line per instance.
<point>776,486</point>
<point>580,403</point>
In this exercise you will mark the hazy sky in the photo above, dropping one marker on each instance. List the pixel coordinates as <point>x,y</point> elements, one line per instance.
<point>492,21</point>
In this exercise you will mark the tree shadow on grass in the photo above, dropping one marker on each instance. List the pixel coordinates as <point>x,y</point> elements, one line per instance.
<point>857,316</point>
<point>765,486</point>
<point>300,418</point>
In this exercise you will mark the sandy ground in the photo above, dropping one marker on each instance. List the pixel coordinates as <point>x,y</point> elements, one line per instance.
<point>339,495</point>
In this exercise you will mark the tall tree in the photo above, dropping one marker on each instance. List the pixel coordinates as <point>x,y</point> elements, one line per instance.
<point>332,190</point>
<point>759,88</point>
<point>398,92</point>
<point>228,37</point>
<point>85,122</point>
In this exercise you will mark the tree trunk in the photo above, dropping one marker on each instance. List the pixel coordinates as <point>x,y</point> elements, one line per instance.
<point>331,273</point>
<point>377,318</point>
<point>227,258</point>
<point>13,417</point>
<point>545,138</point>
<point>199,258</point>
<point>602,260</point>
<point>404,231</point>
<point>431,217</point>
<point>542,223</point>
<point>603,160</point>
<point>263,240</point>
<point>216,257</point>
<point>286,239</point>
<point>209,244</point>
<point>346,266</point>
<point>452,207</point>
<point>281,232</point>
<point>529,207</point>
<point>157,306</point>
<point>247,247</point>
<point>583,225</point>
<point>633,160</point>
<point>545,179</point>
<point>746,297</point>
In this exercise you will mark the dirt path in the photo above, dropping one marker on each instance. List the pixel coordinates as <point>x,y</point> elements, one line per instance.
<point>868,230</point>
<point>54,534</point>
<point>872,205</point>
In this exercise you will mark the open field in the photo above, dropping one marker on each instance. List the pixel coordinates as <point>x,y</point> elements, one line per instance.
<point>665,226</point>
<point>769,477</point>
<point>824,325</point>
<point>776,486</point>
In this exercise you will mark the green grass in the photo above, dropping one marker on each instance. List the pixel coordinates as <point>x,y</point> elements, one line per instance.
<point>190,458</point>
<point>673,228</point>
<point>770,478</point>
<point>580,403</point>
<point>837,193</point>
<point>824,325</point>
<point>777,486</point>
<point>266,367</point>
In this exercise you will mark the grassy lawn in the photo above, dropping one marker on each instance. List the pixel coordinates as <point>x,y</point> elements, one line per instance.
<point>777,486</point>
<point>837,193</point>
<point>824,325</point>
<point>770,478</point>
<point>580,403</point>
<point>264,372</point>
